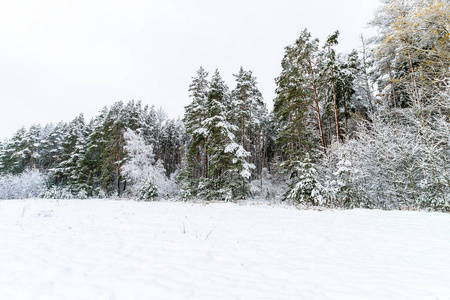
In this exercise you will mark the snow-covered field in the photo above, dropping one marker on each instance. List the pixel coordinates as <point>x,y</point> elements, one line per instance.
<point>105,249</point>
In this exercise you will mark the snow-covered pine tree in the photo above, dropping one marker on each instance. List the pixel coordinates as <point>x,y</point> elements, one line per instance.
<point>49,146</point>
<point>148,191</point>
<point>297,103</point>
<point>11,163</point>
<point>339,177</point>
<point>227,169</point>
<point>306,189</point>
<point>66,156</point>
<point>2,151</point>
<point>172,145</point>
<point>330,72</point>
<point>82,177</point>
<point>195,113</point>
<point>33,142</point>
<point>105,151</point>
<point>70,170</point>
<point>249,115</point>
<point>22,151</point>
<point>338,80</point>
<point>158,132</point>
<point>106,143</point>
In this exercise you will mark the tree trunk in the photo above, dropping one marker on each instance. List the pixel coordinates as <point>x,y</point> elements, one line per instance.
<point>336,110</point>
<point>32,154</point>
<point>393,95</point>
<point>243,120</point>
<point>317,108</point>
<point>205,162</point>
<point>366,76</point>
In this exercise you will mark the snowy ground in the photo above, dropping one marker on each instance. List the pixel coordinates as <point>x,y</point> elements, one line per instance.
<point>105,249</point>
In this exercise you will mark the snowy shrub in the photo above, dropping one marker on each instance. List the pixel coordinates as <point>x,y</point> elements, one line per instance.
<point>101,194</point>
<point>267,187</point>
<point>398,161</point>
<point>56,192</point>
<point>345,187</point>
<point>82,194</point>
<point>230,186</point>
<point>339,177</point>
<point>239,186</point>
<point>185,192</point>
<point>306,189</point>
<point>49,193</point>
<point>148,191</point>
<point>25,185</point>
<point>208,190</point>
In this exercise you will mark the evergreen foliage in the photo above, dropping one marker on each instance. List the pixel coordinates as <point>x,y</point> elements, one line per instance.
<point>148,191</point>
<point>195,113</point>
<point>306,189</point>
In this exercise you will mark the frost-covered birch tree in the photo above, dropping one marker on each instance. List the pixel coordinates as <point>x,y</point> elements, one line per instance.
<point>142,172</point>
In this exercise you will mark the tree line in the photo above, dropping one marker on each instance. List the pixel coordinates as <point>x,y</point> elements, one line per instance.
<point>369,128</point>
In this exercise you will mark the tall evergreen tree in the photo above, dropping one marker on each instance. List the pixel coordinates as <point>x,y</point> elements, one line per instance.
<point>227,171</point>
<point>172,145</point>
<point>48,147</point>
<point>297,103</point>
<point>195,114</point>
<point>331,67</point>
<point>71,151</point>
<point>106,143</point>
<point>250,113</point>
<point>22,151</point>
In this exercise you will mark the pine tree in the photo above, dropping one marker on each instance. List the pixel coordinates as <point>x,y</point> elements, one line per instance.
<point>337,79</point>
<point>172,145</point>
<point>347,103</point>
<point>33,141</point>
<point>227,169</point>
<point>306,190</point>
<point>248,114</point>
<point>11,160</point>
<point>106,154</point>
<point>71,152</point>
<point>297,102</point>
<point>195,114</point>
<point>331,67</point>
<point>22,151</point>
<point>51,139</point>
<point>3,157</point>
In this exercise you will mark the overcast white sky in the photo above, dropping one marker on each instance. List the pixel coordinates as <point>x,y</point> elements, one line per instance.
<point>59,58</point>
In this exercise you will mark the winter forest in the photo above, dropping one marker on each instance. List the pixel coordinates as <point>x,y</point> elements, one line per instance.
<point>365,129</point>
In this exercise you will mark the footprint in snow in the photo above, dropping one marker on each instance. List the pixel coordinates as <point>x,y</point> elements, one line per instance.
<point>45,213</point>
